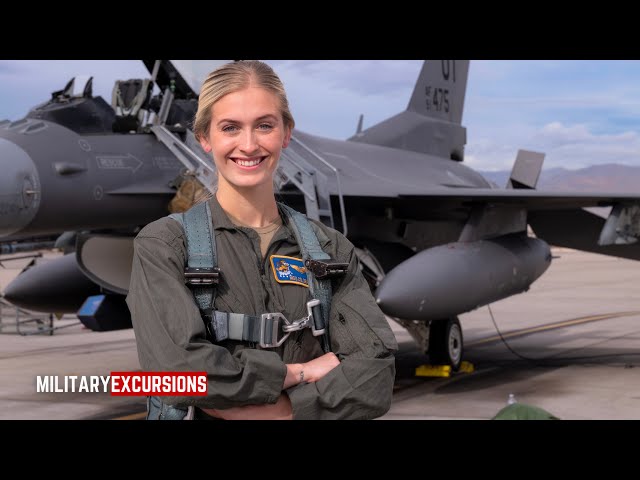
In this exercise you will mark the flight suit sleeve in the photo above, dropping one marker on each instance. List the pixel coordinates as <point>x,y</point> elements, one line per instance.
<point>361,386</point>
<point>171,336</point>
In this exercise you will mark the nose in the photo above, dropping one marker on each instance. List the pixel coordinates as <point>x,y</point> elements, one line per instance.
<point>19,188</point>
<point>249,142</point>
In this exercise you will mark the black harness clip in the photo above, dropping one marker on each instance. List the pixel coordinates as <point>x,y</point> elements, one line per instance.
<point>325,269</point>
<point>198,277</point>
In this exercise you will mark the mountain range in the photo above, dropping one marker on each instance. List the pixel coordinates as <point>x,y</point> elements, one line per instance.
<point>597,178</point>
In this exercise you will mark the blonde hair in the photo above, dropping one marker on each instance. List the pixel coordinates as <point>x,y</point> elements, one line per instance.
<point>232,77</point>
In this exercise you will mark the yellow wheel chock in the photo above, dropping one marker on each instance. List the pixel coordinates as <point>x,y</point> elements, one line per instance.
<point>442,370</point>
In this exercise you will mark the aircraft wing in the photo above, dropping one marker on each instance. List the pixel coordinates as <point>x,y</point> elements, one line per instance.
<point>557,217</point>
<point>532,200</point>
<point>579,229</point>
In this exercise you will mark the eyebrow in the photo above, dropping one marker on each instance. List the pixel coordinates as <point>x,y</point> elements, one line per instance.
<point>263,117</point>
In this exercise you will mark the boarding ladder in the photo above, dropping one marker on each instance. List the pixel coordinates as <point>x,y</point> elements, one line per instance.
<point>299,165</point>
<point>303,167</point>
<point>189,153</point>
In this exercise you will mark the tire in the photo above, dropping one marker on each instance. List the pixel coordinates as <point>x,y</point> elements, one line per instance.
<point>446,344</point>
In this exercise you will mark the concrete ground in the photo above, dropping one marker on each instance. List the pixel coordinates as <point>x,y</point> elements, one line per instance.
<point>573,350</point>
<point>575,341</point>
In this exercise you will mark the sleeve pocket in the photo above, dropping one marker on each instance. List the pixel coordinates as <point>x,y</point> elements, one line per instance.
<point>358,325</point>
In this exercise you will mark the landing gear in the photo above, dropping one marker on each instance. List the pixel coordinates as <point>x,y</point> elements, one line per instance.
<point>446,343</point>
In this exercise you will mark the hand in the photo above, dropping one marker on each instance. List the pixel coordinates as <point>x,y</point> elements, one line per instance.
<point>317,368</point>
<point>311,371</point>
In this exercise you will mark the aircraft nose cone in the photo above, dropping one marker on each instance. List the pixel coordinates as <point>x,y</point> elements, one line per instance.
<point>391,295</point>
<point>19,188</point>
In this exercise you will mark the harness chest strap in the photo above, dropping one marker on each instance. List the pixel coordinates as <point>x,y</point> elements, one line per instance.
<point>202,275</point>
<point>319,289</point>
<point>268,330</point>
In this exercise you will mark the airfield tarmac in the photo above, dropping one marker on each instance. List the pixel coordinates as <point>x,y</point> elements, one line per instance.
<point>575,334</point>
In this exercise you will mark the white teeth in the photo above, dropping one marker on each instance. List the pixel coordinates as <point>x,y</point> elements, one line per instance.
<point>248,163</point>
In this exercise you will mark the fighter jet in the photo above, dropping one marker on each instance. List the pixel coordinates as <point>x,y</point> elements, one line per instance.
<point>435,239</point>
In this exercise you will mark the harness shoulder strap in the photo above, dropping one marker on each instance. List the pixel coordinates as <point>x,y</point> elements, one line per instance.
<point>310,249</point>
<point>201,259</point>
<point>201,268</point>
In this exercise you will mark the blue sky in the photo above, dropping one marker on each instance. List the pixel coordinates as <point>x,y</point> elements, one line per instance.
<point>579,113</point>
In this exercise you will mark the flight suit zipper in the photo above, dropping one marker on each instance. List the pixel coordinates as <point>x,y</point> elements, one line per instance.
<point>260,266</point>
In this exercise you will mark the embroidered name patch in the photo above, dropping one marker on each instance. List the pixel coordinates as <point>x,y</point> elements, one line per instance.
<point>289,270</point>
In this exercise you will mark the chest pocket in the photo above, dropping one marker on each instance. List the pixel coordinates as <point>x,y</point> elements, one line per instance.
<point>302,347</point>
<point>358,328</point>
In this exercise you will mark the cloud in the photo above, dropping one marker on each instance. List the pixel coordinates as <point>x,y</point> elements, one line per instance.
<point>577,147</point>
<point>357,77</point>
<point>327,97</point>
<point>568,146</point>
<point>26,83</point>
<point>556,135</point>
<point>577,112</point>
<point>489,155</point>
<point>9,69</point>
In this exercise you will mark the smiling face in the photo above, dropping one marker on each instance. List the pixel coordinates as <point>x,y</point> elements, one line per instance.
<point>246,135</point>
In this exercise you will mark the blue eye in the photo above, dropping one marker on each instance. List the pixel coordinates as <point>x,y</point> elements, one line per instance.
<point>229,128</point>
<point>265,126</point>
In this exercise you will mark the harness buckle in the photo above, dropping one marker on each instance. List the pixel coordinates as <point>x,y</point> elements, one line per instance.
<point>311,306</point>
<point>325,269</point>
<point>270,323</point>
<point>201,276</point>
<point>304,322</point>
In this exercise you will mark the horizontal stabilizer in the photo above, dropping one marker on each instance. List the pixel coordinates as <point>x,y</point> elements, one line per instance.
<point>526,170</point>
<point>432,122</point>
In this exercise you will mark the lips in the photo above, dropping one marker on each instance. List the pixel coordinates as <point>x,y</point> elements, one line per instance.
<point>248,162</point>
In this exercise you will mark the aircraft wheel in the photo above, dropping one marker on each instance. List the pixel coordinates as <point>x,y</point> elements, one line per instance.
<point>446,342</point>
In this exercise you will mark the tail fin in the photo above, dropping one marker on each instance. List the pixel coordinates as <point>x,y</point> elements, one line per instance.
<point>432,122</point>
<point>439,91</point>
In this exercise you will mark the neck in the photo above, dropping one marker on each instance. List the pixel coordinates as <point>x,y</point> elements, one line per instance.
<point>254,207</point>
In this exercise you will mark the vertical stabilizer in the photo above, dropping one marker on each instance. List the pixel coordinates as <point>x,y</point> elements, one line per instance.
<point>431,123</point>
<point>439,91</point>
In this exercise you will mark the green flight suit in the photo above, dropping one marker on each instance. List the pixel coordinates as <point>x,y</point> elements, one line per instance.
<point>170,333</point>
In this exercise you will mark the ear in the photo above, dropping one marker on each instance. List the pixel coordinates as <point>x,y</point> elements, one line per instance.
<point>205,145</point>
<point>287,137</point>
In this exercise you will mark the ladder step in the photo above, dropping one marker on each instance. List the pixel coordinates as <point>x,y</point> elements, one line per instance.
<point>299,169</point>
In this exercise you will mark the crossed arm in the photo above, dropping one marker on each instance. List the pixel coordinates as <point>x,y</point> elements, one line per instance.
<point>253,383</point>
<point>297,373</point>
